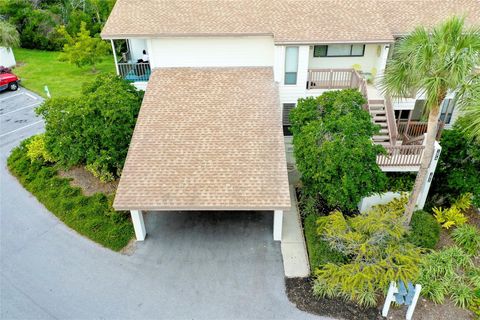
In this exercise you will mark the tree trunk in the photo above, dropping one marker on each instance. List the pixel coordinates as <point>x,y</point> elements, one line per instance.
<point>427,156</point>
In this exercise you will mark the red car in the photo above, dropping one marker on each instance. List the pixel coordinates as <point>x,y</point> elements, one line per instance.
<point>8,81</point>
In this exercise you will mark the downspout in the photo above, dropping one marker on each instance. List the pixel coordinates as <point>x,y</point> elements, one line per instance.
<point>115,57</point>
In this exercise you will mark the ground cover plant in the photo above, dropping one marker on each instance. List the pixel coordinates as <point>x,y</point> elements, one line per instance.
<point>95,129</point>
<point>38,69</point>
<point>454,215</point>
<point>91,216</point>
<point>333,149</point>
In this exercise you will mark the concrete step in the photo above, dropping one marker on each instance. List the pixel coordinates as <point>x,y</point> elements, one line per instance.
<point>383,124</point>
<point>382,102</point>
<point>385,131</point>
<point>379,118</point>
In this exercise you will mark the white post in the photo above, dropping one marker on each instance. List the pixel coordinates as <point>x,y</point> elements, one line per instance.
<point>389,299</point>
<point>115,56</point>
<point>138,224</point>
<point>277,225</point>
<point>412,306</point>
<point>431,170</point>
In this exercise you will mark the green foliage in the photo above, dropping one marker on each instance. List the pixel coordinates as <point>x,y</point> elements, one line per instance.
<point>333,148</point>
<point>37,21</point>
<point>445,273</point>
<point>400,181</point>
<point>319,252</point>
<point>94,129</point>
<point>425,231</point>
<point>377,250</point>
<point>453,216</point>
<point>91,216</point>
<point>457,169</point>
<point>9,36</point>
<point>83,49</point>
<point>468,238</point>
<point>36,150</point>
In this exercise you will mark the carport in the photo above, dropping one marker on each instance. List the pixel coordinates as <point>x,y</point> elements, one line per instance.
<point>207,139</point>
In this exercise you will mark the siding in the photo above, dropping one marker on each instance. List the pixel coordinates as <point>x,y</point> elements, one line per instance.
<point>212,52</point>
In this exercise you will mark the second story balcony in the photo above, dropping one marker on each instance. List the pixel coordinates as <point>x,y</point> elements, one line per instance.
<point>133,63</point>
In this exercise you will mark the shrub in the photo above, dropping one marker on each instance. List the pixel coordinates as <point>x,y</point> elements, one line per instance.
<point>468,238</point>
<point>377,250</point>
<point>457,169</point>
<point>91,216</point>
<point>444,273</point>
<point>333,148</point>
<point>425,231</point>
<point>36,150</point>
<point>319,252</point>
<point>94,129</point>
<point>453,216</point>
<point>400,181</point>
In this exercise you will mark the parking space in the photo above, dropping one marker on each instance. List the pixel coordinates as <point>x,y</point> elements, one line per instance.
<point>17,114</point>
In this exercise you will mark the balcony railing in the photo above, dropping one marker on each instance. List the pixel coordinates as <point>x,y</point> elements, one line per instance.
<point>408,130</point>
<point>333,79</point>
<point>134,72</point>
<point>401,156</point>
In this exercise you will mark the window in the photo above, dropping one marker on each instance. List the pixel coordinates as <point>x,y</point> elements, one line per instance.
<point>339,50</point>
<point>287,107</point>
<point>291,65</point>
<point>447,110</point>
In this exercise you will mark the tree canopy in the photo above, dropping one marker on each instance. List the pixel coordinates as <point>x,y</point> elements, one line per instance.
<point>333,148</point>
<point>93,129</point>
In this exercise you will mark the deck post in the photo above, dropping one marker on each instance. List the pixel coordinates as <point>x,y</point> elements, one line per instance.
<point>431,170</point>
<point>277,225</point>
<point>138,224</point>
<point>115,56</point>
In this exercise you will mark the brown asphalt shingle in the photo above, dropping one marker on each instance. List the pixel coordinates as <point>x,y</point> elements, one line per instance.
<point>309,21</point>
<point>207,139</point>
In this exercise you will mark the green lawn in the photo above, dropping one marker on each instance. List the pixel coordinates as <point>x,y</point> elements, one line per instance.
<point>40,68</point>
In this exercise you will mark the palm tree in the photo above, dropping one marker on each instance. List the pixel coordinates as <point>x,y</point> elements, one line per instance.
<point>470,108</point>
<point>435,61</point>
<point>9,36</point>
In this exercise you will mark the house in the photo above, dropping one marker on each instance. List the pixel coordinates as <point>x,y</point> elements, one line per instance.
<point>221,76</point>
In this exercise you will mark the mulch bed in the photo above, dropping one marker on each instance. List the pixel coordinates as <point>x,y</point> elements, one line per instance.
<point>87,181</point>
<point>299,292</point>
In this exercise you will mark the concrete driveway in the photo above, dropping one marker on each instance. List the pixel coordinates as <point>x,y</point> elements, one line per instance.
<point>192,265</point>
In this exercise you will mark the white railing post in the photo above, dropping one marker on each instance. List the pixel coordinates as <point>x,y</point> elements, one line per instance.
<point>431,171</point>
<point>115,57</point>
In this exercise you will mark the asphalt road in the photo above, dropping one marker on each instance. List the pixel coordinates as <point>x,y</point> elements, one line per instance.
<point>191,266</point>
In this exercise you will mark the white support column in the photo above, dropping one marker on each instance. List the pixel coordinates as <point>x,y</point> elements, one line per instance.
<point>431,171</point>
<point>138,224</point>
<point>277,225</point>
<point>114,56</point>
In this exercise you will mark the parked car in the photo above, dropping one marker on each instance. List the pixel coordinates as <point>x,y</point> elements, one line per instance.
<point>8,81</point>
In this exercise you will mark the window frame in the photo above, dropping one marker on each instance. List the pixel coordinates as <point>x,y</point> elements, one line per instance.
<point>285,67</point>
<point>339,56</point>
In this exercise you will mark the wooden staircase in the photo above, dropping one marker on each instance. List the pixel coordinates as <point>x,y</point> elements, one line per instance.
<point>377,109</point>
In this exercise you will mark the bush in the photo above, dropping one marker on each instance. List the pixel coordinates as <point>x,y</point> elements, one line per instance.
<point>468,238</point>
<point>400,181</point>
<point>377,250</point>
<point>457,169</point>
<point>447,273</point>
<point>425,231</point>
<point>333,148</point>
<point>94,129</point>
<point>319,252</point>
<point>91,216</point>
<point>453,216</point>
<point>36,150</point>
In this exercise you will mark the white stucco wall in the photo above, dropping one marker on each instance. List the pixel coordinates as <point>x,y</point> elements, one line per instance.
<point>211,51</point>
<point>368,202</point>
<point>374,57</point>
<point>7,59</point>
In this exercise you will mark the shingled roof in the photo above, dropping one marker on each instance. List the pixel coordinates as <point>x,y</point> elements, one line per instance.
<point>207,139</point>
<point>288,21</point>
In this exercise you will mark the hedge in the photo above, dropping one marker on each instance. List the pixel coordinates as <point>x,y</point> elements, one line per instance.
<point>319,252</point>
<point>91,216</point>
<point>425,230</point>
